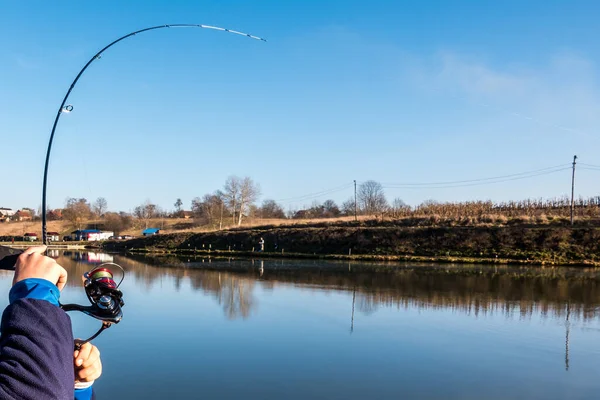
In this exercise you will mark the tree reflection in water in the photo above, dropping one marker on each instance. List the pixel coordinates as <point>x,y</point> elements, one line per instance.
<point>470,290</point>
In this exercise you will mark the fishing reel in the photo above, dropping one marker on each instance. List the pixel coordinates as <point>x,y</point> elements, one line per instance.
<point>104,295</point>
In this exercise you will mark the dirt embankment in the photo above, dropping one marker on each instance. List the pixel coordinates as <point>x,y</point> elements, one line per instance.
<point>525,243</point>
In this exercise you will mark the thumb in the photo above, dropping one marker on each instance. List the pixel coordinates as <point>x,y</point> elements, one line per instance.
<point>36,249</point>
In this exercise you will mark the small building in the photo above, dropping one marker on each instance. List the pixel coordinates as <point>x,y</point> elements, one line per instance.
<point>30,237</point>
<point>6,214</point>
<point>22,215</point>
<point>91,235</point>
<point>53,236</point>
<point>187,214</point>
<point>54,215</point>
<point>150,231</point>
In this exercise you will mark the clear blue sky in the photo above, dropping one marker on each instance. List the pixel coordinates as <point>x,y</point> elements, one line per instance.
<point>395,91</point>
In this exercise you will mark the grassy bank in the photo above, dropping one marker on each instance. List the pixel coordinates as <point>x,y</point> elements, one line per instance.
<point>366,257</point>
<point>521,244</point>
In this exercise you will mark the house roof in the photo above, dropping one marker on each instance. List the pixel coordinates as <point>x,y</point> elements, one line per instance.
<point>86,231</point>
<point>53,233</point>
<point>30,234</point>
<point>151,230</point>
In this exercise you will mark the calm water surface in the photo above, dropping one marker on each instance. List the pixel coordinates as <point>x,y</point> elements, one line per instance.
<point>242,329</point>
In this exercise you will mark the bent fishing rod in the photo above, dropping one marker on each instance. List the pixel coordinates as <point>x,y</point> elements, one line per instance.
<point>103,293</point>
<point>66,108</point>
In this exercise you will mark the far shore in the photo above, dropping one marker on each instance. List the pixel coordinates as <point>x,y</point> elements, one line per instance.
<point>60,245</point>
<point>361,257</point>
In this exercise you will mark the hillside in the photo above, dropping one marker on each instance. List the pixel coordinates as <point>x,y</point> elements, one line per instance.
<point>167,225</point>
<point>518,240</point>
<point>522,243</point>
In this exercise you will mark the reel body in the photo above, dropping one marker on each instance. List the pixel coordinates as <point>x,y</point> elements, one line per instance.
<point>105,297</point>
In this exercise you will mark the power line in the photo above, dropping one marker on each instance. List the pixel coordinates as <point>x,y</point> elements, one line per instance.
<point>590,165</point>
<point>310,196</point>
<point>477,183</point>
<point>448,184</point>
<point>477,180</point>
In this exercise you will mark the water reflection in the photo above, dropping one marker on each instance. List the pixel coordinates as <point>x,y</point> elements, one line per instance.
<point>442,319</point>
<point>561,293</point>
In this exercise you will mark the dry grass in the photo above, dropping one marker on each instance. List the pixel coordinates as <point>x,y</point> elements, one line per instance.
<point>20,228</point>
<point>168,225</point>
<point>180,225</point>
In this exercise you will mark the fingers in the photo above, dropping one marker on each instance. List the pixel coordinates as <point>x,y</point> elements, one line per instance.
<point>33,264</point>
<point>36,250</point>
<point>88,355</point>
<point>90,373</point>
<point>93,358</point>
<point>83,354</point>
<point>62,278</point>
<point>88,364</point>
<point>78,345</point>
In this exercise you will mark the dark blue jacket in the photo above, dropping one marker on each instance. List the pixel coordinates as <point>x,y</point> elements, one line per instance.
<point>36,346</point>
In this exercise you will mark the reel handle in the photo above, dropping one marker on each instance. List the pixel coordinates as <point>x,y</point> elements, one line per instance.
<point>8,257</point>
<point>113,316</point>
<point>8,263</point>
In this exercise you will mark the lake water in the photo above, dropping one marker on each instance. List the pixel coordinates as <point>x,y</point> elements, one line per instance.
<point>243,329</point>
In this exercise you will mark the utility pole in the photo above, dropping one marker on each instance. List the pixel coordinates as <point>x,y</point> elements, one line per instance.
<point>573,189</point>
<point>355,215</point>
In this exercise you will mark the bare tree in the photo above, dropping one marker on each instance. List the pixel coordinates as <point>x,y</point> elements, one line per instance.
<point>220,197</point>
<point>249,192</point>
<point>371,198</point>
<point>117,222</point>
<point>209,209</point>
<point>270,209</point>
<point>348,207</point>
<point>178,204</point>
<point>145,212</point>
<point>77,211</point>
<point>231,191</point>
<point>330,209</point>
<point>100,206</point>
<point>239,194</point>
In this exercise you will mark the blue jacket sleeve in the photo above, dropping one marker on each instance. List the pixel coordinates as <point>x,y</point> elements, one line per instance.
<point>84,394</point>
<point>34,288</point>
<point>36,345</point>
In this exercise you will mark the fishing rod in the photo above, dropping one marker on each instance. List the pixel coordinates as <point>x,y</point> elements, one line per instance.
<point>106,299</point>
<point>67,108</point>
